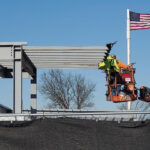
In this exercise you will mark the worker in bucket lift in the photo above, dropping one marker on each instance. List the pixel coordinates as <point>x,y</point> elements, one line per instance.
<point>120,65</point>
<point>117,65</point>
<point>113,66</point>
<point>119,79</point>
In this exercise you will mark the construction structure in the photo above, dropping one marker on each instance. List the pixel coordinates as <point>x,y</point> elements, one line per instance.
<point>17,61</point>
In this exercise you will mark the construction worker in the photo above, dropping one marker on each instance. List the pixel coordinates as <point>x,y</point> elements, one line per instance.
<point>125,67</point>
<point>119,63</point>
<point>111,64</point>
<point>116,84</point>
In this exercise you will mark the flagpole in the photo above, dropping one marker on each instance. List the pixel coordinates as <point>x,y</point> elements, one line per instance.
<point>128,45</point>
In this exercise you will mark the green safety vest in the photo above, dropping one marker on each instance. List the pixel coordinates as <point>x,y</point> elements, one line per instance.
<point>110,64</point>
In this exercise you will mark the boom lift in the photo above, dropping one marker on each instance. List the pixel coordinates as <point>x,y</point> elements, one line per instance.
<point>121,87</point>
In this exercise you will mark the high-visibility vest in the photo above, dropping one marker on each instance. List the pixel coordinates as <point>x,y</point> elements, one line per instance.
<point>121,65</point>
<point>110,64</point>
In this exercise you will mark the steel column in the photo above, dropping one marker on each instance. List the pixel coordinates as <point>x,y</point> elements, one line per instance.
<point>17,79</point>
<point>33,102</point>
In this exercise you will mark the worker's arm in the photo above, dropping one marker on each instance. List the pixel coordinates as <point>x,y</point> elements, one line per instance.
<point>121,65</point>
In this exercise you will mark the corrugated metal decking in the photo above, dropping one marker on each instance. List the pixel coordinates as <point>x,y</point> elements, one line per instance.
<point>62,56</point>
<point>66,56</point>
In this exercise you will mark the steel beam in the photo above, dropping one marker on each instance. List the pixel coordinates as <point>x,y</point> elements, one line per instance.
<point>17,80</point>
<point>20,58</point>
<point>64,48</point>
<point>33,102</point>
<point>47,66</point>
<point>28,66</point>
<point>5,73</point>
<point>12,43</point>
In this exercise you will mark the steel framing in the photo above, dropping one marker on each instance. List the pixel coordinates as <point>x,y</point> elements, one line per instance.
<point>17,60</point>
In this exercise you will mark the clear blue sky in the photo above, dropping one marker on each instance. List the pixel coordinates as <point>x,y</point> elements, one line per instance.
<point>76,23</point>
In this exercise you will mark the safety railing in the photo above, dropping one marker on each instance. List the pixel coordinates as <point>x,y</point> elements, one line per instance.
<point>84,114</point>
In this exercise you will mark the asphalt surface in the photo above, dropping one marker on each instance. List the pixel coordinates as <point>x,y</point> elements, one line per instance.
<point>74,134</point>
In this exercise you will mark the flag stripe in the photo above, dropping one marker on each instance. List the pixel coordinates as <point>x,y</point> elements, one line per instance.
<point>139,21</point>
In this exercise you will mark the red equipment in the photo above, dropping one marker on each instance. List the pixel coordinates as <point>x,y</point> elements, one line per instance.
<point>121,87</point>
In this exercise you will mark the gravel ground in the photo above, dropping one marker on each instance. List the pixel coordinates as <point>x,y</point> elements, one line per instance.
<point>74,134</point>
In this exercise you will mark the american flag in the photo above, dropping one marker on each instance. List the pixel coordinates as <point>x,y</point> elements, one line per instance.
<point>139,21</point>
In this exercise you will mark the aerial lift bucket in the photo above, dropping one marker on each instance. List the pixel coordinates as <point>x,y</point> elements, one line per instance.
<point>128,93</point>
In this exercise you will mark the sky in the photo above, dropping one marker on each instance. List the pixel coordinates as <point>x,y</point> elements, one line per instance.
<point>75,23</point>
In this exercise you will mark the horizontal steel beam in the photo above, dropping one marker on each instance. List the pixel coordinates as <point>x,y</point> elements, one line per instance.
<point>83,55</point>
<point>67,59</point>
<point>78,113</point>
<point>100,115</point>
<point>64,52</point>
<point>64,48</point>
<point>12,43</point>
<point>80,110</point>
<point>65,62</point>
<point>47,66</point>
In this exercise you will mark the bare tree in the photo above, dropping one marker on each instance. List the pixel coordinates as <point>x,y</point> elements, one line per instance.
<point>66,90</point>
